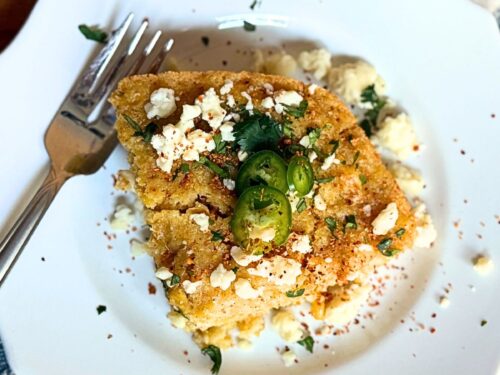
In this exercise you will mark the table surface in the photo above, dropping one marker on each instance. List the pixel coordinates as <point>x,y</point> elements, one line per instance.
<point>13,14</point>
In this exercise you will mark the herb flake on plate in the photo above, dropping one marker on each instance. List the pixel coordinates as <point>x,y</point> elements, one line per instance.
<point>308,343</point>
<point>214,353</point>
<point>93,33</point>
<point>295,111</point>
<point>295,293</point>
<point>100,309</point>
<point>247,26</point>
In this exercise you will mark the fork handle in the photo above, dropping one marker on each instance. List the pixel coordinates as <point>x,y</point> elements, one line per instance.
<point>18,236</point>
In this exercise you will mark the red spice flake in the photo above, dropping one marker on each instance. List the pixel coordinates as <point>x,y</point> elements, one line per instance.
<point>456,224</point>
<point>151,289</point>
<point>402,321</point>
<point>185,352</point>
<point>326,346</point>
<point>479,236</point>
<point>416,148</point>
<point>432,330</point>
<point>433,315</point>
<point>128,270</point>
<point>493,115</point>
<point>462,152</point>
<point>110,247</point>
<point>109,336</point>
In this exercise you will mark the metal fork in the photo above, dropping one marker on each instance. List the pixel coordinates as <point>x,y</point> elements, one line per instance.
<point>76,144</point>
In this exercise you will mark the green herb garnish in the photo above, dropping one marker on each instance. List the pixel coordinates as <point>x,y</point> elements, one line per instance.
<point>174,280</point>
<point>295,111</point>
<point>335,144</point>
<point>258,132</point>
<point>255,3</point>
<point>356,157</point>
<point>350,222</point>
<point>249,26</point>
<point>216,236</point>
<point>214,353</point>
<point>369,95</point>
<point>399,233</point>
<point>235,269</point>
<point>214,167</point>
<point>93,33</point>
<point>301,205</point>
<point>100,309</point>
<point>362,179</point>
<point>483,322</point>
<point>314,136</point>
<point>384,247</point>
<point>307,343</point>
<point>220,145</point>
<point>331,223</point>
<point>324,180</point>
<point>295,293</point>
<point>148,131</point>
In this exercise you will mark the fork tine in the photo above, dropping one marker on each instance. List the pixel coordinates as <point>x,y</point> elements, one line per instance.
<point>80,94</point>
<point>154,65</point>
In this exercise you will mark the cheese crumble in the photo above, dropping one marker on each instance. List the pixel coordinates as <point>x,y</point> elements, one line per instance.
<point>386,219</point>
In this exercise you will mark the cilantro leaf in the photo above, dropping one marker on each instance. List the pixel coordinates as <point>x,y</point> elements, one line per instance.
<point>214,353</point>
<point>295,293</point>
<point>350,222</point>
<point>399,233</point>
<point>220,145</point>
<point>255,3</point>
<point>384,247</point>
<point>148,131</point>
<point>301,205</point>
<point>363,179</point>
<point>174,280</point>
<point>216,236</point>
<point>258,132</point>
<point>247,26</point>
<point>369,95</point>
<point>307,343</point>
<point>331,223</point>
<point>93,33</point>
<point>324,180</point>
<point>295,111</point>
<point>214,167</point>
<point>314,136</point>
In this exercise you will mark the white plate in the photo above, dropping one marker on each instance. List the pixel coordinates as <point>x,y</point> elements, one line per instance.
<point>440,60</point>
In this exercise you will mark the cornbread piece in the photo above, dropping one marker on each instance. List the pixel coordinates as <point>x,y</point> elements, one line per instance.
<point>332,242</point>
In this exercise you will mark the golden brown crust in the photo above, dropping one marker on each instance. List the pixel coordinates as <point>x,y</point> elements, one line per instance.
<point>190,253</point>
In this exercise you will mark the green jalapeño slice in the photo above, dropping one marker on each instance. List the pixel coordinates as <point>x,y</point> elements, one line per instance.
<point>300,175</point>
<point>263,168</point>
<point>261,209</point>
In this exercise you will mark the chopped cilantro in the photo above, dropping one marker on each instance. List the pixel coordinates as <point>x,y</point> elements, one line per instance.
<point>335,144</point>
<point>331,223</point>
<point>399,233</point>
<point>148,131</point>
<point>235,269</point>
<point>258,132</point>
<point>247,26</point>
<point>214,353</point>
<point>307,343</point>
<point>174,280</point>
<point>483,322</point>
<point>100,309</point>
<point>216,236</point>
<point>184,168</point>
<point>93,33</point>
<point>324,180</point>
<point>214,167</point>
<point>255,3</point>
<point>356,157</point>
<point>295,111</point>
<point>314,136</point>
<point>205,40</point>
<point>220,145</point>
<point>369,95</point>
<point>301,205</point>
<point>362,179</point>
<point>295,293</point>
<point>384,247</point>
<point>350,222</point>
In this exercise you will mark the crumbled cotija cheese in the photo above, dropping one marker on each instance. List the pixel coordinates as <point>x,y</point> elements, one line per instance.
<point>161,103</point>
<point>278,270</point>
<point>222,278</point>
<point>288,357</point>
<point>350,79</point>
<point>199,142</point>
<point>409,180</point>
<point>329,161</point>
<point>426,233</point>
<point>312,156</point>
<point>242,258</point>
<point>244,289</point>
<point>170,145</point>
<point>267,102</point>
<point>287,326</point>
<point>319,203</point>
<point>386,219</point>
<point>305,141</point>
<point>190,287</point>
<point>163,273</point>
<point>249,105</point>
<point>226,131</point>
<point>444,302</point>
<point>342,309</point>
<point>317,61</point>
<point>227,87</point>
<point>288,97</point>
<point>300,243</point>
<point>122,217</point>
<point>365,247</point>
<point>211,110</point>
<point>242,155</point>
<point>229,184</point>
<point>230,101</point>
<point>397,135</point>
<point>202,220</point>
<point>483,265</point>
<point>312,89</point>
<point>189,113</point>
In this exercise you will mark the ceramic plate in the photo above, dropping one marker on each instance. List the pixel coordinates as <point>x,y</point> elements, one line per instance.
<point>440,61</point>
